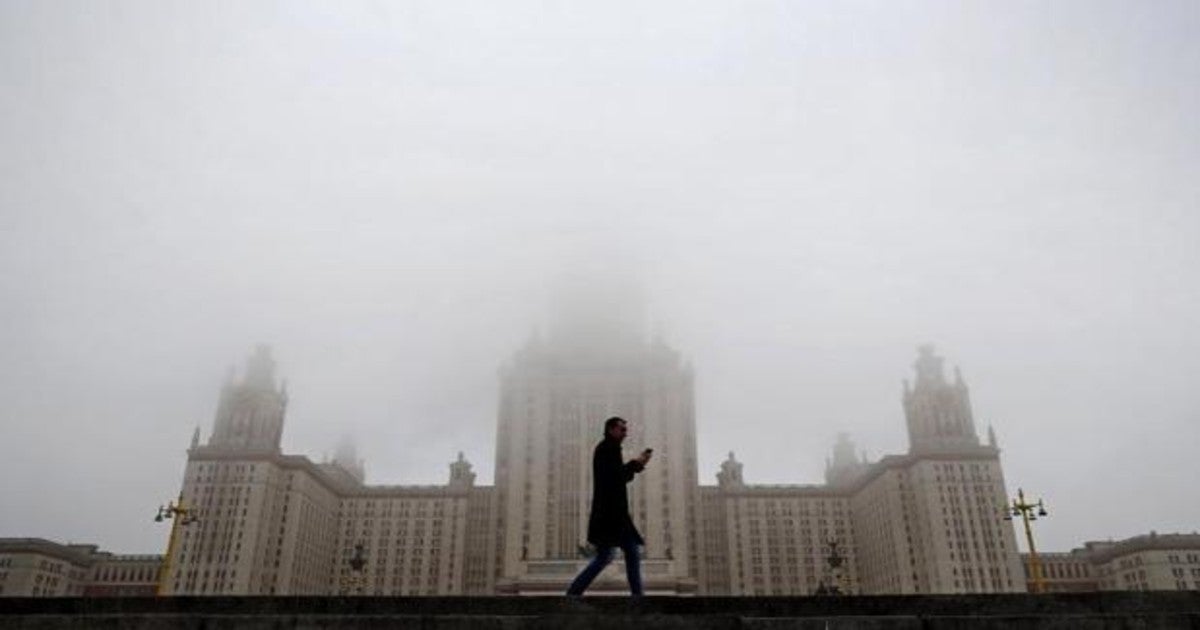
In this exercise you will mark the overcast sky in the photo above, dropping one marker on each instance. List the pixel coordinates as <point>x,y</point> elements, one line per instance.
<point>806,191</point>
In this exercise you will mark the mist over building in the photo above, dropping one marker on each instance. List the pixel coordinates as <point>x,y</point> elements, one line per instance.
<point>274,523</point>
<point>809,190</point>
<point>265,522</point>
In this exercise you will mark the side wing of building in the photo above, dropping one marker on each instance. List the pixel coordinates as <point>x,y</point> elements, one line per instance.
<point>934,524</point>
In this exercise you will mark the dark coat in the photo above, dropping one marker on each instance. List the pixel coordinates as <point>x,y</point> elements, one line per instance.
<point>610,522</point>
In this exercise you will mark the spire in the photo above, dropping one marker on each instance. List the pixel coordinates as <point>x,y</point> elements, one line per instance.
<point>992,437</point>
<point>597,310</point>
<point>260,369</point>
<point>195,438</point>
<point>928,366</point>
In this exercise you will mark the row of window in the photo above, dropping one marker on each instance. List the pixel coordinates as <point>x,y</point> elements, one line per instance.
<point>127,574</point>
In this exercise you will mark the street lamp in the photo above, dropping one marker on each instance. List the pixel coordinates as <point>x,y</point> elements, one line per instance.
<point>1029,512</point>
<point>357,564</point>
<point>835,562</point>
<point>180,516</point>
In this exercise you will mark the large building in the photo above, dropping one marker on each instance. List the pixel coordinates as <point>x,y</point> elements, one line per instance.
<point>36,567</point>
<point>1152,562</point>
<point>272,523</point>
<point>924,522</point>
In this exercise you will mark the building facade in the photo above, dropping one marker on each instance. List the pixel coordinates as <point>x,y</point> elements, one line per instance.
<point>554,396</point>
<point>35,567</point>
<point>1151,562</point>
<point>1062,572</point>
<point>269,523</point>
<point>926,521</point>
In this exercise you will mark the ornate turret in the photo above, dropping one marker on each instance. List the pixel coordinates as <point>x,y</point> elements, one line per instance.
<point>346,458</point>
<point>250,413</point>
<point>844,466</point>
<point>731,473</point>
<point>938,413</point>
<point>461,475</point>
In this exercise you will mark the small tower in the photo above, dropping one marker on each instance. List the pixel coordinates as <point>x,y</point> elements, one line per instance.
<point>250,413</point>
<point>844,466</point>
<point>460,473</point>
<point>938,413</point>
<point>346,458</point>
<point>731,473</point>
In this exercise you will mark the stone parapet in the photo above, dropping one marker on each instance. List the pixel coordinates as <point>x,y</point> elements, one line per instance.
<point>1075,610</point>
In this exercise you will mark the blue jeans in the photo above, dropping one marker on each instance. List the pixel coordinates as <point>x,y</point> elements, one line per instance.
<point>604,555</point>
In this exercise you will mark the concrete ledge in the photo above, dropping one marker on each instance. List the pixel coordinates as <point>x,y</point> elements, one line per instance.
<point>1081,611</point>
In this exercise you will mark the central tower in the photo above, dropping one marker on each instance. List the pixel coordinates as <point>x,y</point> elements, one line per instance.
<point>555,394</point>
<point>250,413</point>
<point>938,412</point>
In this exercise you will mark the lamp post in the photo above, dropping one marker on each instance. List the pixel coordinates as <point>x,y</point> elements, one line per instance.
<point>1026,510</point>
<point>180,516</point>
<point>835,562</point>
<point>357,564</point>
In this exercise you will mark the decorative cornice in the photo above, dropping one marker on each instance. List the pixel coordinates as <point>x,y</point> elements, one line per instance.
<point>869,473</point>
<point>81,555</point>
<point>1101,552</point>
<point>343,487</point>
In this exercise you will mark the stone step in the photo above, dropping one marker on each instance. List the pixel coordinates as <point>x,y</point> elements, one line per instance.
<point>1090,611</point>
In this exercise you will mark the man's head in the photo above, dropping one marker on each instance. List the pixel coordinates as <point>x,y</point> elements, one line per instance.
<point>615,428</point>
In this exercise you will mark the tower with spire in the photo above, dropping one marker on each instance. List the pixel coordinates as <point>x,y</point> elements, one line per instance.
<point>346,459</point>
<point>250,412</point>
<point>595,360</point>
<point>272,523</point>
<point>938,412</point>
<point>844,467</point>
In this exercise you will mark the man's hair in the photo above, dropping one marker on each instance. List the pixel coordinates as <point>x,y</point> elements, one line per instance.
<point>610,423</point>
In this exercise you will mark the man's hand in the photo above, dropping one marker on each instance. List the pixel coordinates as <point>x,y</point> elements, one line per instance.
<point>644,458</point>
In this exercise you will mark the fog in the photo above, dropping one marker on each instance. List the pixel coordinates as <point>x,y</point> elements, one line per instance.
<point>394,196</point>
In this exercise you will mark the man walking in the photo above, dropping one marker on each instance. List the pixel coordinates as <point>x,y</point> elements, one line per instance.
<point>610,525</point>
